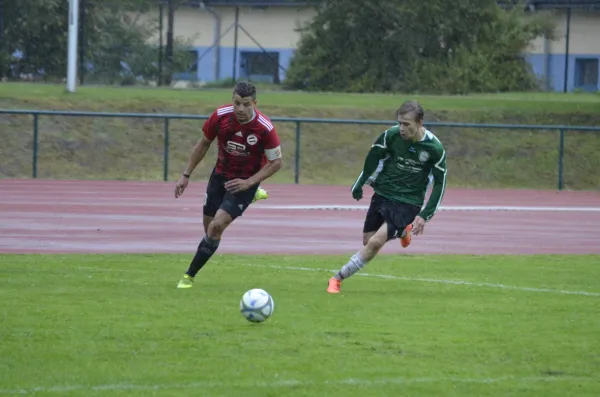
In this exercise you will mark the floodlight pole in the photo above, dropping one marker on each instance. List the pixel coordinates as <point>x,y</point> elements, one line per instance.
<point>72,54</point>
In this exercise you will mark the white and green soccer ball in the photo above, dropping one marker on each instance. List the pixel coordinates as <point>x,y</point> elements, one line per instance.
<point>257,305</point>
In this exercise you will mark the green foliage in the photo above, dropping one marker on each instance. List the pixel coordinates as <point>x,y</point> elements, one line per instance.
<point>412,46</point>
<point>37,29</point>
<point>112,34</point>
<point>127,39</point>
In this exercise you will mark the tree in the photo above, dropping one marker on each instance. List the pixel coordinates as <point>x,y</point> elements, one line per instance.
<point>32,36</point>
<point>409,45</point>
<point>116,40</point>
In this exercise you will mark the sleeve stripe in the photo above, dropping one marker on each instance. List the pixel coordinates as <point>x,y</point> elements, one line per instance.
<point>357,179</point>
<point>437,165</point>
<point>265,122</point>
<point>441,195</point>
<point>443,190</point>
<point>222,111</point>
<point>384,146</point>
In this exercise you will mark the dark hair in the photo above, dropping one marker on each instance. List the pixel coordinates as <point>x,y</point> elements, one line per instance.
<point>245,89</point>
<point>411,107</point>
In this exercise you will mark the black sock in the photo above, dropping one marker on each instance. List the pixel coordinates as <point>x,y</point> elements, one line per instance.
<point>206,249</point>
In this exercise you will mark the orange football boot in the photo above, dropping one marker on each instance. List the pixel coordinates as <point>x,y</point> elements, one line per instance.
<point>406,236</point>
<point>334,285</point>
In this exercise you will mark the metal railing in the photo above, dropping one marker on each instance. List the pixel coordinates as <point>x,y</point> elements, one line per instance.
<point>166,117</point>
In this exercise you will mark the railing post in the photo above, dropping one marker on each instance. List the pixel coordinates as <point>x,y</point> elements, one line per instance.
<point>35,145</point>
<point>166,150</point>
<point>561,158</point>
<point>297,167</point>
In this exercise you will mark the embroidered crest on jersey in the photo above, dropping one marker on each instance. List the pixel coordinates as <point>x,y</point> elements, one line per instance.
<point>252,139</point>
<point>423,157</point>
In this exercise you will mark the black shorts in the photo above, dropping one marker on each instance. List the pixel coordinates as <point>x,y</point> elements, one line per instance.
<point>396,215</point>
<point>217,197</point>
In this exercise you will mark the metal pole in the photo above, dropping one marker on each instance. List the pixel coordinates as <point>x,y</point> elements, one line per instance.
<point>297,168</point>
<point>160,42</point>
<point>261,47</point>
<point>166,151</point>
<point>72,50</point>
<point>561,159</point>
<point>170,40</point>
<point>567,39</point>
<point>1,32</point>
<point>35,145</point>
<point>82,34</point>
<point>235,43</point>
<point>216,46</point>
<point>547,77</point>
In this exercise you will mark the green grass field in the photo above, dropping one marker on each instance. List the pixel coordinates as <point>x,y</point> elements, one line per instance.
<point>115,325</point>
<point>132,149</point>
<point>96,98</point>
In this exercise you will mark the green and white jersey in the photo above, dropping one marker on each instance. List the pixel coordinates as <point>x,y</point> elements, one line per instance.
<point>400,170</point>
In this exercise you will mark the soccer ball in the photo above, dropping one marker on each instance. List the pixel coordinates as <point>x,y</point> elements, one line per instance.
<point>256,305</point>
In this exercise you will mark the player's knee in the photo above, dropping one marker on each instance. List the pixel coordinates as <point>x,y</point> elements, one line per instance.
<point>218,225</point>
<point>216,228</point>
<point>375,243</point>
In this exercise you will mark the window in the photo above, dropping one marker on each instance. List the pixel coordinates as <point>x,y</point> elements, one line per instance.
<point>586,74</point>
<point>260,66</point>
<point>192,58</point>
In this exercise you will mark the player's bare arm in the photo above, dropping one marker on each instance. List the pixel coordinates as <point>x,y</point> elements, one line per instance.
<point>195,158</point>
<point>239,185</point>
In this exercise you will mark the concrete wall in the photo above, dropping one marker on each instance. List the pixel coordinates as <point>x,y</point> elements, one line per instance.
<point>274,29</point>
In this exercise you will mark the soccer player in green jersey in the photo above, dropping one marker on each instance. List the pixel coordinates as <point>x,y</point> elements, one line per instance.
<point>398,168</point>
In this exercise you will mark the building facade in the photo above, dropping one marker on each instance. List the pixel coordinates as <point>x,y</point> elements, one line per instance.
<point>259,49</point>
<point>571,62</point>
<point>263,44</point>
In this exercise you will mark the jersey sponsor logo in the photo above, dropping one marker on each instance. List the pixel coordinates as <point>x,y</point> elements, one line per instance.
<point>252,139</point>
<point>423,157</point>
<point>408,165</point>
<point>236,149</point>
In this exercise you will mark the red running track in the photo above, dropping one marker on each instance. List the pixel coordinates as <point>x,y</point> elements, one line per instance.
<point>42,216</point>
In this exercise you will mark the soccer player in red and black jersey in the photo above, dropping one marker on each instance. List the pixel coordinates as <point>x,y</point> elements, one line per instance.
<point>248,153</point>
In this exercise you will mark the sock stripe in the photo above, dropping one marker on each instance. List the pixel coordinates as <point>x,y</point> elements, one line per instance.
<point>354,265</point>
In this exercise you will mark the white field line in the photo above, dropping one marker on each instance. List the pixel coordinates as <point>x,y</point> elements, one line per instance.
<point>289,383</point>
<point>390,277</point>
<point>438,281</point>
<point>324,207</point>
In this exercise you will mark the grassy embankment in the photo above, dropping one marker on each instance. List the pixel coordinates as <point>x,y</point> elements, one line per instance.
<point>118,148</point>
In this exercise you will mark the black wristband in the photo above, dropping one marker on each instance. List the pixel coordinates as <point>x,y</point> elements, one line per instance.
<point>186,175</point>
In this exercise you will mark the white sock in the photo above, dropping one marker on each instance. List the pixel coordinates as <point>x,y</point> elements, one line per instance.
<point>354,265</point>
